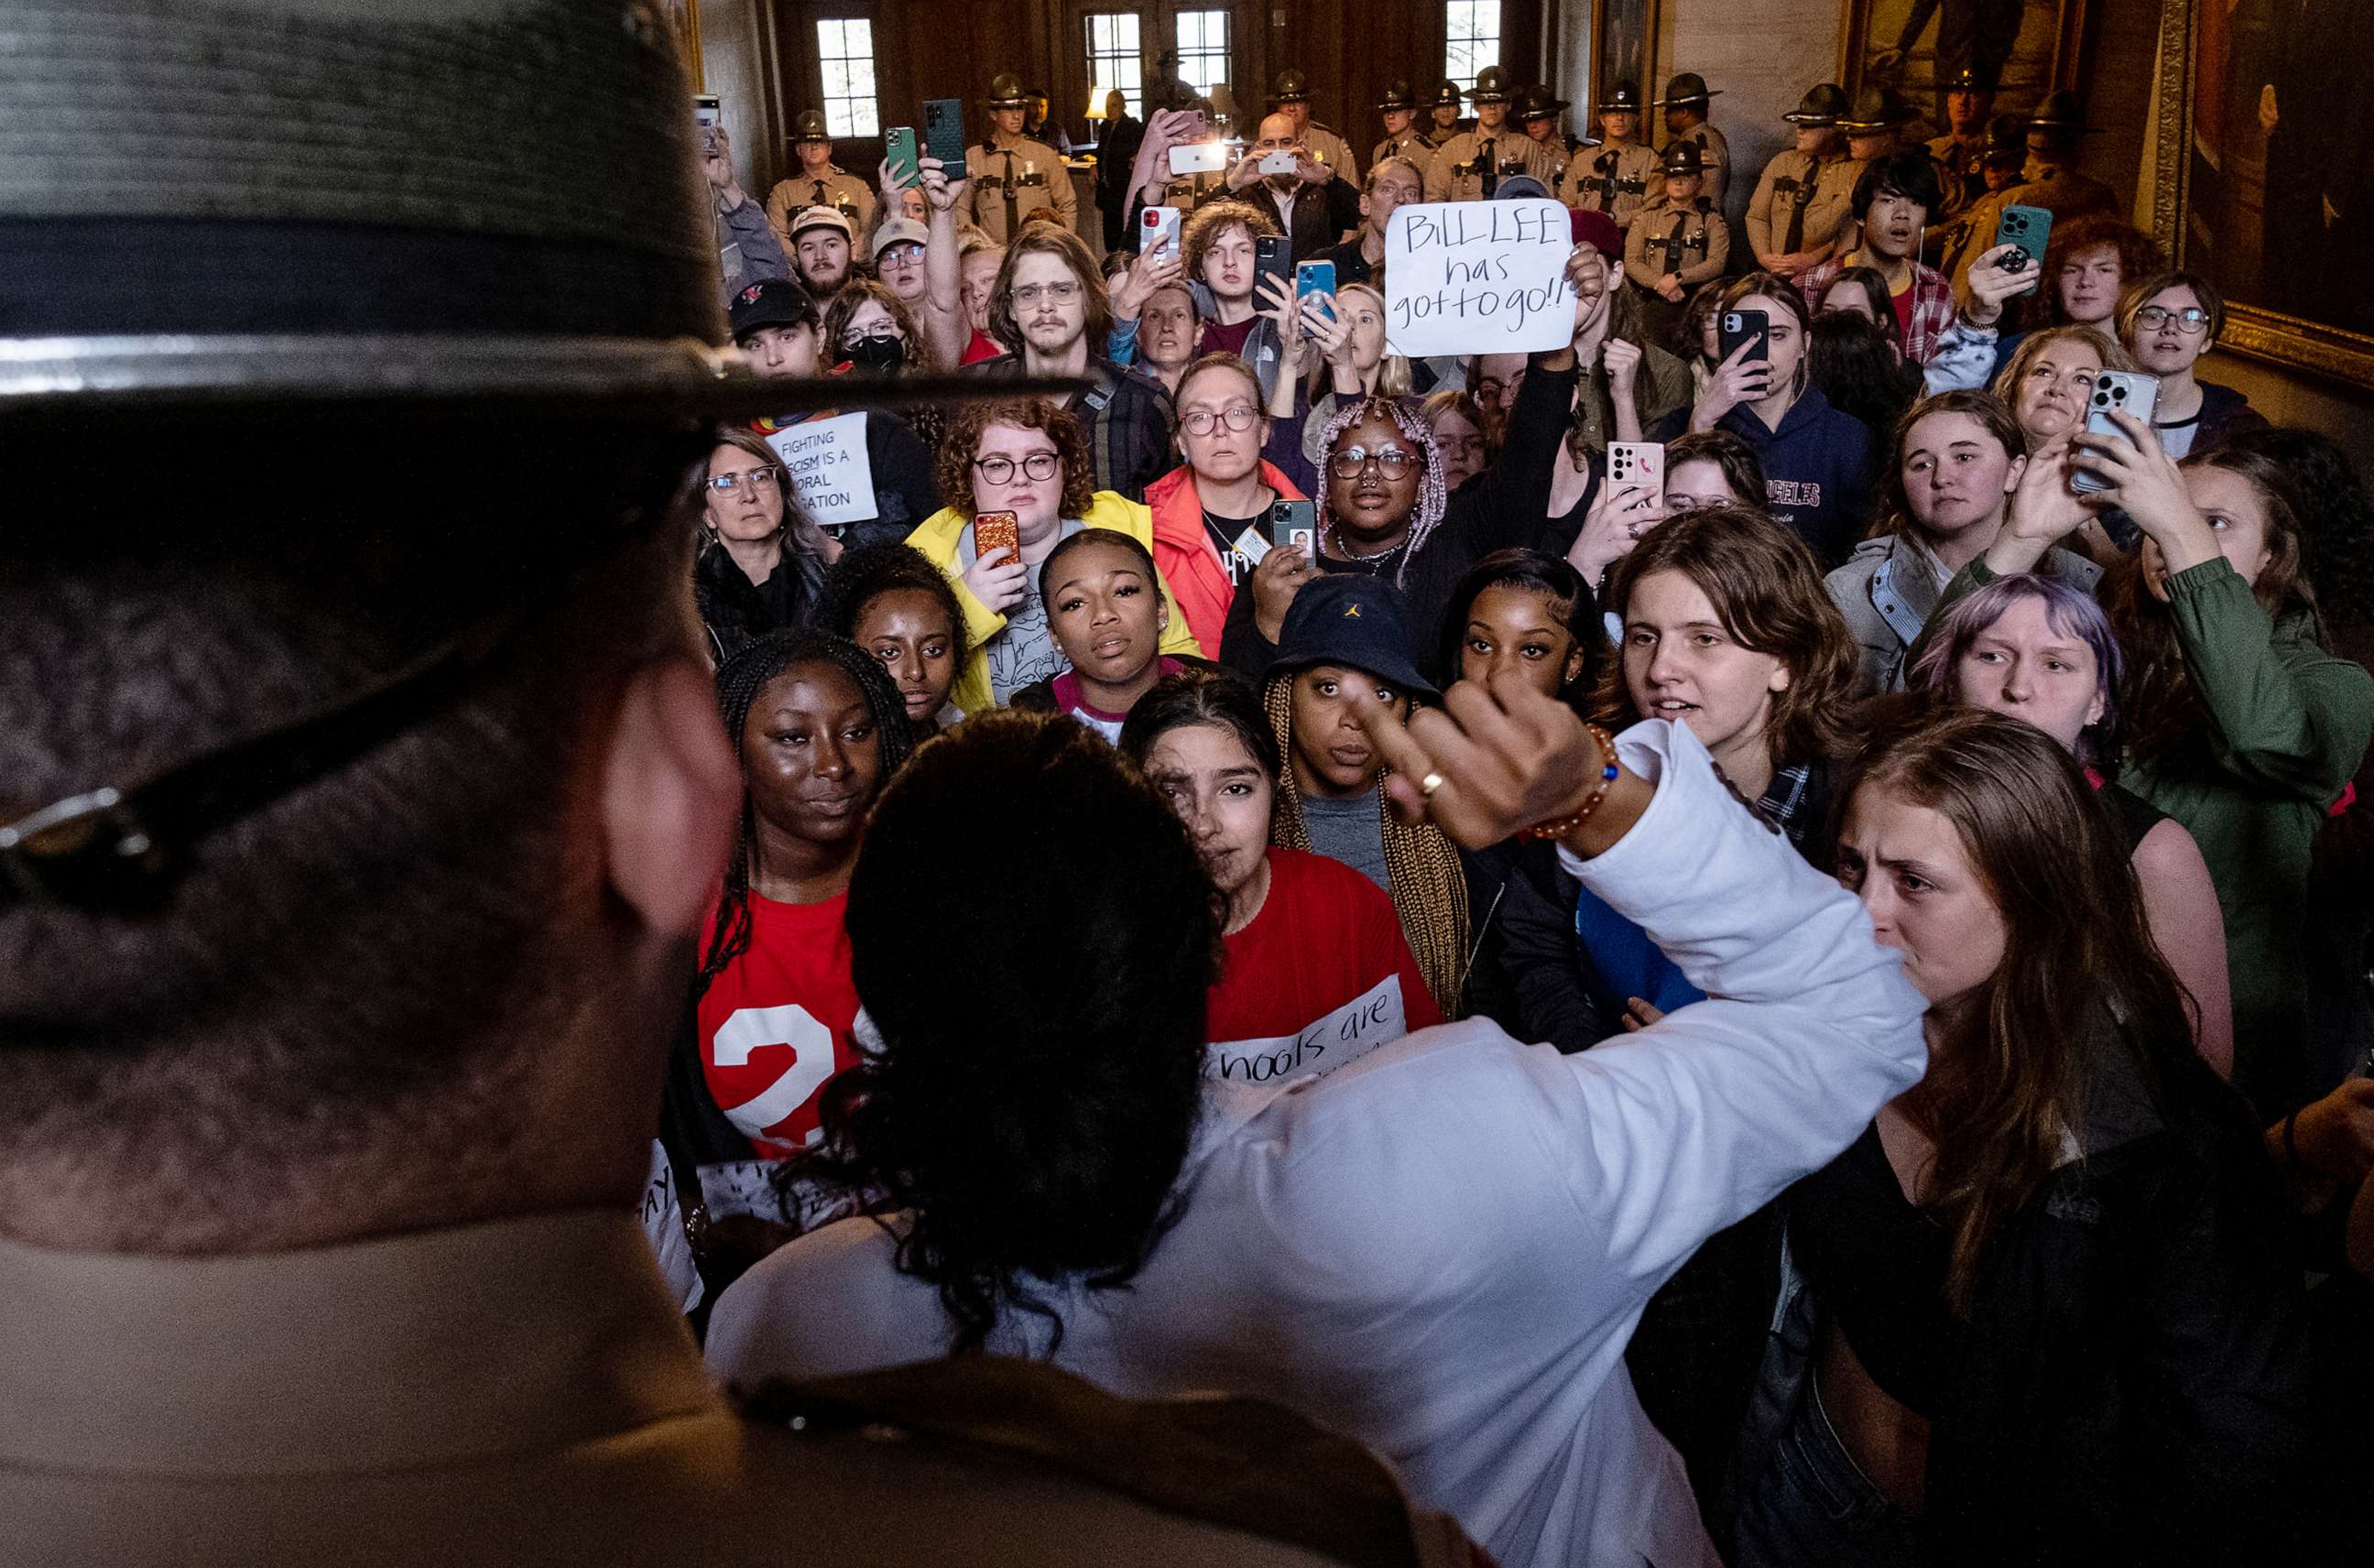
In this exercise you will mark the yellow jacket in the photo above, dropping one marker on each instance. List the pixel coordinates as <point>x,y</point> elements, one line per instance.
<point>938,539</point>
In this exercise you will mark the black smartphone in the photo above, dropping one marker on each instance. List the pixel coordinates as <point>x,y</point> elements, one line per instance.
<point>1753,328</point>
<point>1273,257</point>
<point>944,136</point>
<point>1293,523</point>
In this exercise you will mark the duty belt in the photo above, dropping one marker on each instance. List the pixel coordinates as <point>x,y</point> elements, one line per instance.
<point>1609,184</point>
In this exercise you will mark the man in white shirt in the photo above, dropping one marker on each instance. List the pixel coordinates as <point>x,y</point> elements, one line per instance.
<point>1442,1248</point>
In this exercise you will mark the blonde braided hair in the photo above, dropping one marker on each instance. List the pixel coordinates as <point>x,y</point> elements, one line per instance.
<point>1429,890</point>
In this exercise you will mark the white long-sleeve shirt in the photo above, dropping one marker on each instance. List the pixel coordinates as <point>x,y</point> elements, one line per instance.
<point>1443,1247</point>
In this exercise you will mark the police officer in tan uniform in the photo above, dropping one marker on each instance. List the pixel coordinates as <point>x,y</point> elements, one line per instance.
<point>1679,242</point>
<point>1471,165</point>
<point>1293,101</point>
<point>1874,123</point>
<point>819,182</point>
<point>1013,176</point>
<point>1805,195</point>
<point>2050,184</point>
<point>1687,102</point>
<point>1618,174</point>
<point>2002,167</point>
<point>1538,110</point>
<point>1443,112</point>
<point>1404,137</point>
<point>340,988</point>
<point>1961,152</point>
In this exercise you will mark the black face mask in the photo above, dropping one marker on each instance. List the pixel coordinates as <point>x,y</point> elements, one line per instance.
<point>877,351</point>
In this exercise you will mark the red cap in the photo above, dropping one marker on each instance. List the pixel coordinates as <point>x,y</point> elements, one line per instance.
<point>1598,230</point>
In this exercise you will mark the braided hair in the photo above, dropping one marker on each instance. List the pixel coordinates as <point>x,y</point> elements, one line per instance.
<point>739,680</point>
<point>1431,497</point>
<point>1428,887</point>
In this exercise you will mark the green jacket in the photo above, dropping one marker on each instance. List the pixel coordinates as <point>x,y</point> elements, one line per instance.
<point>2289,725</point>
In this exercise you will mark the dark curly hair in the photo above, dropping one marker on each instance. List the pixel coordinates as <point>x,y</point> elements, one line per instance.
<point>1035,1072</point>
<point>962,442</point>
<point>739,680</point>
<point>867,572</point>
<point>2336,515</point>
<point>1211,220</point>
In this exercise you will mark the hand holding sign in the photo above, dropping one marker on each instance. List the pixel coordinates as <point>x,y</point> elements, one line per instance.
<point>1478,278</point>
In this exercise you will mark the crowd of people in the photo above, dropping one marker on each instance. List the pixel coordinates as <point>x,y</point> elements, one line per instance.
<point>1803,1005</point>
<point>2061,707</point>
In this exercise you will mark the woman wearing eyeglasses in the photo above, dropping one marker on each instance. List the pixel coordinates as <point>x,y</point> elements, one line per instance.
<point>2168,322</point>
<point>1211,513</point>
<point>1027,458</point>
<point>762,559</point>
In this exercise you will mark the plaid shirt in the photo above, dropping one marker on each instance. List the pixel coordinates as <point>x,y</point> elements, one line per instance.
<point>1932,304</point>
<point>1127,420</point>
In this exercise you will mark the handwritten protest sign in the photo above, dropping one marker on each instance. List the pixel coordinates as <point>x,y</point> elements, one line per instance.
<point>829,468</point>
<point>1477,278</point>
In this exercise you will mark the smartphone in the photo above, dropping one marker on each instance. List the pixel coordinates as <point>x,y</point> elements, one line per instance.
<point>1638,463</point>
<point>944,136</point>
<point>1295,523</point>
<point>995,534</point>
<point>707,110</point>
<point>1316,277</point>
<point>1278,163</point>
<point>1751,327</point>
<point>2029,228</point>
<point>2115,392</point>
<point>1158,226</point>
<point>900,153</point>
<point>1273,257</point>
<point>1198,158</point>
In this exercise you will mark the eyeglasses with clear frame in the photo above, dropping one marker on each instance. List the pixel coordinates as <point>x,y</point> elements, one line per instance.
<point>722,483</point>
<point>1202,421</point>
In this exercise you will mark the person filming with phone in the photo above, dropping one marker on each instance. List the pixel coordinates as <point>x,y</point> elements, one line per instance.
<point>1314,204</point>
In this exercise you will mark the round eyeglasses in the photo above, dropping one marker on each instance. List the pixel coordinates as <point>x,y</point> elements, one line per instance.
<point>1000,470</point>
<point>1393,462</point>
<point>1202,421</point>
<point>2192,321</point>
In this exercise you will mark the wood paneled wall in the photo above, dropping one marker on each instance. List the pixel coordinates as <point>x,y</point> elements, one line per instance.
<point>1350,50</point>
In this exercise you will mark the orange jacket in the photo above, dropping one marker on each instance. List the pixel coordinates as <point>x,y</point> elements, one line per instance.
<point>1184,552</point>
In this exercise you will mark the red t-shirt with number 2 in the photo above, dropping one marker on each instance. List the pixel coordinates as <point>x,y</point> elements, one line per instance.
<point>777,1023</point>
<point>1321,977</point>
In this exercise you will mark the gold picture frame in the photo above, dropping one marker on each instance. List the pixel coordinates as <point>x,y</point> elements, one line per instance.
<point>2203,196</point>
<point>2040,53</point>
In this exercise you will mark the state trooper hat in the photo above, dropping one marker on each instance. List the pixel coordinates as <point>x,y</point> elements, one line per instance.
<point>810,126</point>
<point>1969,78</point>
<point>1445,95</point>
<point>1688,87</point>
<point>1492,86</point>
<point>1822,105</point>
<point>1539,103</point>
<point>1622,98</point>
<point>2062,110</point>
<point>1292,88</point>
<point>1397,96</point>
<point>1877,109</point>
<point>1007,91</point>
<point>1684,158</point>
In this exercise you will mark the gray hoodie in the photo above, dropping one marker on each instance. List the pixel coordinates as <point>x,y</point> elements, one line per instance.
<point>1889,587</point>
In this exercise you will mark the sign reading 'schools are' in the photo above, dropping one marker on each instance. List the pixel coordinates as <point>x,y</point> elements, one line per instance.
<point>830,471</point>
<point>1477,278</point>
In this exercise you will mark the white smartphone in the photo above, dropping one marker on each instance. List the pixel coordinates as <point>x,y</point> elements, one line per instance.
<point>2121,392</point>
<point>1158,226</point>
<point>1278,163</point>
<point>1638,463</point>
<point>1198,158</point>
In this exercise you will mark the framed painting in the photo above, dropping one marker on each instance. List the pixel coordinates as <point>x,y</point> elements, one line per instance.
<point>1624,34</point>
<point>2029,47</point>
<point>2264,185</point>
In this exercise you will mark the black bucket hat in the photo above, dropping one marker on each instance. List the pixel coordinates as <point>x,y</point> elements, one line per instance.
<point>1355,621</point>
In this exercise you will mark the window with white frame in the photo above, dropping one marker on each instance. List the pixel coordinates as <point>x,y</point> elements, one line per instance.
<point>1115,61</point>
<point>845,54</point>
<point>1203,49</point>
<point>1471,39</point>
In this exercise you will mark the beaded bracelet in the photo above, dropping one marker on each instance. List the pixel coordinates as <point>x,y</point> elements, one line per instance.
<point>1607,774</point>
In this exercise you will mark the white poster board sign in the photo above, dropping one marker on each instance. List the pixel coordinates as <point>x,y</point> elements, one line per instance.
<point>1477,278</point>
<point>829,469</point>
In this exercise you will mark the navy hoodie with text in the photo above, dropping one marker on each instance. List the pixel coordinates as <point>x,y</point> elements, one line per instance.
<point>1819,468</point>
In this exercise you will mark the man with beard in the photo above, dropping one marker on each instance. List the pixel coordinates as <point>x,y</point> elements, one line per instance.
<point>1892,203</point>
<point>1314,205</point>
<point>779,330</point>
<point>821,237</point>
<point>1048,311</point>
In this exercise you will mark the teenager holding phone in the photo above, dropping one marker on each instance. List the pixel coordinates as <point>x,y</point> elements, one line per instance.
<point>1959,457</point>
<point>1026,460</point>
<point>1818,462</point>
